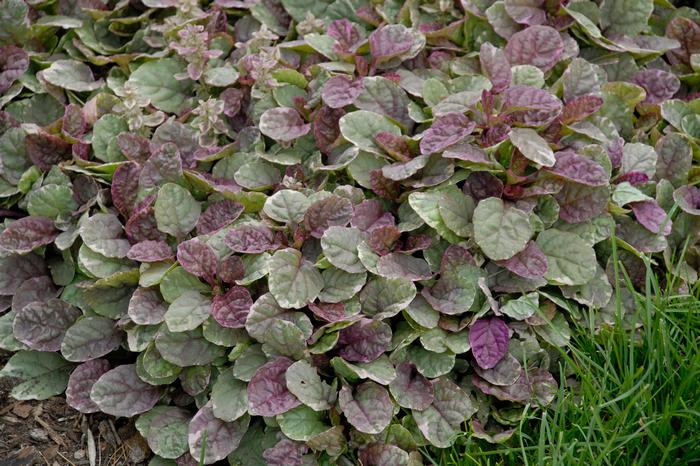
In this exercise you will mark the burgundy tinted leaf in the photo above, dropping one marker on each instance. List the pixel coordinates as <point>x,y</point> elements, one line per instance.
<point>495,66</point>
<point>482,185</point>
<point>231,269</point>
<point>528,263</point>
<point>530,12</point>
<point>328,312</point>
<point>80,383</point>
<point>14,270</point>
<point>416,243</point>
<point>615,151</point>
<point>13,63</point>
<point>383,186</point>
<point>233,101</point>
<point>42,325</point>
<point>134,147</point>
<point>652,217</point>
<point>198,258</point>
<point>488,338</point>
<point>146,307</point>
<point>344,32</point>
<point>688,199</point>
<point>340,91</point>
<point>401,265</point>
<point>46,150</point>
<point>165,165</point>
<point>518,392</point>
<point>33,289</point>
<point>687,33</point>
<point>660,85</point>
<point>28,233</point>
<point>579,169</point>
<point>285,453</point>
<point>120,392</point>
<point>383,239</point>
<point>326,127</point>
<point>531,106</point>
<point>142,226</point>
<point>125,186</point>
<point>404,170</point>
<point>540,46</point>
<point>466,152</point>
<point>578,203</point>
<point>267,390</point>
<point>283,124</point>
<point>150,251</point>
<point>505,373</point>
<point>250,239</point>
<point>394,145</point>
<point>445,131</point>
<point>390,41</point>
<point>218,215</point>
<point>378,454</point>
<point>369,409</point>
<point>329,211</point>
<point>365,340</point>
<point>580,107</point>
<point>370,214</point>
<point>410,389</point>
<point>212,438</point>
<point>633,178</point>
<point>231,309</point>
<point>74,125</point>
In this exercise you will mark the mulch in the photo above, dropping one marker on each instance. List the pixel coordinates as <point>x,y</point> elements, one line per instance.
<point>51,433</point>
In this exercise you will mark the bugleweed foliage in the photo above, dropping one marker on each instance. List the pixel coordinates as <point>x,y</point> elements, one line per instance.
<point>298,232</point>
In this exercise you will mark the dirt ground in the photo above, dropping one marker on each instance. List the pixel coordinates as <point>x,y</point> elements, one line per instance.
<point>51,433</point>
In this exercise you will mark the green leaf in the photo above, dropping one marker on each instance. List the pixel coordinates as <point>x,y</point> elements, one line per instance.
<point>532,146</point>
<point>42,375</point>
<point>499,230</point>
<point>229,397</point>
<point>301,423</point>
<point>188,311</point>
<point>570,260</point>
<point>72,75</point>
<point>51,201</point>
<point>627,17</point>
<point>155,80</point>
<point>293,280</point>
<point>176,210</point>
<point>339,246</point>
<point>361,126</point>
<point>305,383</point>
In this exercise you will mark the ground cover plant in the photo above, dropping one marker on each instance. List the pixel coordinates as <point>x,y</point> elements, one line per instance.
<point>335,232</point>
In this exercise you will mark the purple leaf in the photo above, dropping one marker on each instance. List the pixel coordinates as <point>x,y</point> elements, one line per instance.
<point>579,169</point>
<point>446,130</point>
<point>540,46</point>
<point>13,63</point>
<point>529,263</point>
<point>365,340</point>
<point>330,312</point>
<point>518,392</point>
<point>231,269</point>
<point>495,66</point>
<point>580,107</point>
<point>80,383</point>
<point>150,251</point>
<point>383,239</point>
<point>369,409</point>
<point>165,165</point>
<point>529,12</point>
<point>231,309</point>
<point>267,390</point>
<point>345,33</point>
<point>28,233</point>
<point>286,453</point>
<point>326,127</point>
<point>378,454</point>
<point>391,41</point>
<point>370,214</point>
<point>14,270</point>
<point>482,185</point>
<point>198,258</point>
<point>42,325</point>
<point>578,203</point>
<point>340,91</point>
<point>146,307</point>
<point>213,438</point>
<point>125,186</point>
<point>329,211</point>
<point>120,392</point>
<point>410,389</point>
<point>488,338</point>
<point>531,106</point>
<point>652,217</point>
<point>283,124</point>
<point>33,289</point>
<point>394,145</point>
<point>660,85</point>
<point>136,148</point>
<point>74,124</point>
<point>688,199</point>
<point>250,238</point>
<point>46,150</point>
